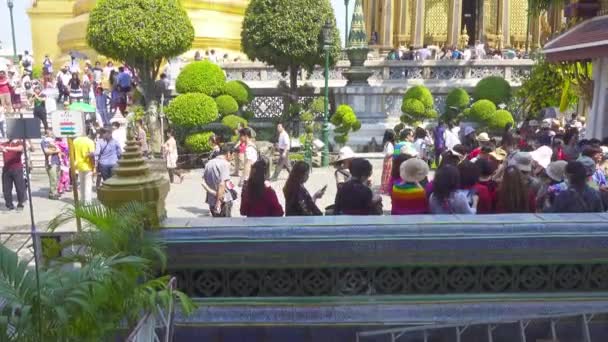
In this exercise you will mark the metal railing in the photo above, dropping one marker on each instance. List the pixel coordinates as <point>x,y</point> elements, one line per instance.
<point>157,325</point>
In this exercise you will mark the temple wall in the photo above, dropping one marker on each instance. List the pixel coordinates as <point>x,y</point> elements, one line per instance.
<point>47,17</point>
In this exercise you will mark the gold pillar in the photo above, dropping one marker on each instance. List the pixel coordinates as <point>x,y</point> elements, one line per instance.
<point>535,31</point>
<point>385,34</point>
<point>368,14</point>
<point>454,22</point>
<point>401,25</point>
<point>503,21</point>
<point>46,19</point>
<point>418,34</point>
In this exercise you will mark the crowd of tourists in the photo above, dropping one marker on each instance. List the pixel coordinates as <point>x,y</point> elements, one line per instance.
<point>539,167</point>
<point>433,52</point>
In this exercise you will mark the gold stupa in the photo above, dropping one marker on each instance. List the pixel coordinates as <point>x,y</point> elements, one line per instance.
<point>59,26</point>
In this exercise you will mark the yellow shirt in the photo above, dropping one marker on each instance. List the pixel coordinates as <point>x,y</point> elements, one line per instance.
<point>83,148</point>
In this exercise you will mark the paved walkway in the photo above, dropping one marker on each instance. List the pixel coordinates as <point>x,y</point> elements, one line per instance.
<point>185,200</point>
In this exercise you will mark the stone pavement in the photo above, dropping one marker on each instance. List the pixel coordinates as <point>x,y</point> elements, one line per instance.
<point>186,200</point>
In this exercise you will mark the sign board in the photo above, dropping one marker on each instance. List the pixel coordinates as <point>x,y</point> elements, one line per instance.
<point>28,128</point>
<point>68,124</point>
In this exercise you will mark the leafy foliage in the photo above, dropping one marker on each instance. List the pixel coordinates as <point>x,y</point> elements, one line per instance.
<point>500,120</point>
<point>192,110</point>
<point>493,88</point>
<point>418,105</point>
<point>199,142</point>
<point>542,88</point>
<point>36,72</point>
<point>481,111</point>
<point>240,91</point>
<point>345,121</point>
<point>226,105</point>
<point>201,77</point>
<point>233,121</point>
<point>458,98</point>
<point>141,33</point>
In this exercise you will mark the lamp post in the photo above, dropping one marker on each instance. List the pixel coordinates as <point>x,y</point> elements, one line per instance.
<point>327,43</point>
<point>346,23</point>
<point>11,4</point>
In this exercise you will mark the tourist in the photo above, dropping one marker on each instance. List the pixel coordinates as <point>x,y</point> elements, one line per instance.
<point>74,66</point>
<point>239,149</point>
<point>554,183</point>
<point>388,141</point>
<point>424,53</point>
<point>355,197</point>
<point>142,138</point>
<point>513,194</point>
<point>40,107</point>
<point>439,137</point>
<point>594,152</point>
<point>342,164</point>
<point>162,91</point>
<point>406,143</point>
<point>283,146</point>
<point>213,57</point>
<point>107,153</point>
<point>421,144</point>
<point>27,62</point>
<point>97,75</point>
<point>52,162</point>
<point>446,197</point>
<point>469,184</point>
<point>63,185</point>
<point>409,197</point>
<point>486,171</point>
<point>2,123</point>
<point>12,173</point>
<point>108,69</point>
<point>250,155</point>
<point>47,70</point>
<point>579,198</point>
<point>5,93</point>
<point>396,170</point>
<point>86,88</point>
<point>171,156</point>
<point>469,139</point>
<point>15,86</point>
<point>484,141</point>
<point>75,89</point>
<point>84,164</point>
<point>119,134</point>
<point>298,201</point>
<point>258,199</point>
<point>214,141</point>
<point>571,150</point>
<point>216,179</point>
<point>124,81</point>
<point>198,56</point>
<point>63,80</point>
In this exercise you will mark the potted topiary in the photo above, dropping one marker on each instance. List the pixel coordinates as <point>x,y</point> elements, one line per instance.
<point>493,88</point>
<point>201,77</point>
<point>192,110</point>
<point>226,105</point>
<point>345,121</point>
<point>418,105</point>
<point>458,99</point>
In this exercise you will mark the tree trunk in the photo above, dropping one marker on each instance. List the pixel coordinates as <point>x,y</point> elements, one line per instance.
<point>147,76</point>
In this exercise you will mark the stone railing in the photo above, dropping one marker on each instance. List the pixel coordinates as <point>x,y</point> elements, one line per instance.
<point>261,75</point>
<point>387,270</point>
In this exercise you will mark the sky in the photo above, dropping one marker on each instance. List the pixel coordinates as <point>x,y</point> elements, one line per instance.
<point>23,31</point>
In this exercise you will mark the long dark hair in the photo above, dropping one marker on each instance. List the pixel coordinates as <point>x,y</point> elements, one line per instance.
<point>257,178</point>
<point>389,136</point>
<point>397,161</point>
<point>297,176</point>
<point>446,181</point>
<point>513,192</point>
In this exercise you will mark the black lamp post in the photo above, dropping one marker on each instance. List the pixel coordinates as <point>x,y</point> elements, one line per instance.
<point>346,23</point>
<point>327,44</point>
<point>11,4</point>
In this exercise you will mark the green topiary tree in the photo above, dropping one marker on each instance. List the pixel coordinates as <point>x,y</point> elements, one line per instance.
<point>345,121</point>
<point>192,110</point>
<point>201,77</point>
<point>500,120</point>
<point>493,88</point>
<point>239,91</point>
<point>199,142</point>
<point>418,105</point>
<point>141,33</point>
<point>233,121</point>
<point>287,35</point>
<point>458,99</point>
<point>226,105</point>
<point>481,111</point>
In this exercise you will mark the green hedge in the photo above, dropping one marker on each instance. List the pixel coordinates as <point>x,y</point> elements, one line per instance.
<point>239,91</point>
<point>192,110</point>
<point>421,93</point>
<point>233,121</point>
<point>458,98</point>
<point>500,120</point>
<point>418,105</point>
<point>493,88</point>
<point>201,77</point>
<point>226,105</point>
<point>199,142</point>
<point>481,111</point>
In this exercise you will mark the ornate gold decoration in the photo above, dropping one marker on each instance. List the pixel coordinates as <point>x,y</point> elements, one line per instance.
<point>435,22</point>
<point>463,40</point>
<point>518,20</point>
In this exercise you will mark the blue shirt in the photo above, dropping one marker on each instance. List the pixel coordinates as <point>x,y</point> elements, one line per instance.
<point>107,152</point>
<point>51,159</point>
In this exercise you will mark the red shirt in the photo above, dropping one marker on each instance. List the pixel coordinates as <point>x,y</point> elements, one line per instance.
<point>12,160</point>
<point>266,206</point>
<point>485,204</point>
<point>4,86</point>
<point>474,153</point>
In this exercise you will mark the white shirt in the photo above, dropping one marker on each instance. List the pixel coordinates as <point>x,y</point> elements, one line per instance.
<point>251,154</point>
<point>284,141</point>
<point>64,77</point>
<point>389,149</point>
<point>451,139</point>
<point>120,135</point>
<point>30,59</point>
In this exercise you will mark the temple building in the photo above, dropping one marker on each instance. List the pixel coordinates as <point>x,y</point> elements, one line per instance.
<point>59,26</point>
<point>498,23</point>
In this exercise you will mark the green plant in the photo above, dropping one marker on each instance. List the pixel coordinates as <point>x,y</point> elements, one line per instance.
<point>481,111</point>
<point>36,72</point>
<point>233,121</point>
<point>345,121</point>
<point>226,105</point>
<point>163,30</point>
<point>418,105</point>
<point>202,77</point>
<point>458,99</point>
<point>500,120</point>
<point>248,115</point>
<point>493,88</point>
<point>138,113</point>
<point>199,142</point>
<point>239,91</point>
<point>192,110</point>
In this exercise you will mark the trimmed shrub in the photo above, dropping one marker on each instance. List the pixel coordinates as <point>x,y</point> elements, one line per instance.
<point>317,106</point>
<point>500,120</point>
<point>36,72</point>
<point>233,121</point>
<point>421,93</point>
<point>192,110</point>
<point>199,142</point>
<point>239,91</point>
<point>345,121</point>
<point>493,88</point>
<point>201,77</point>
<point>481,111</point>
<point>341,112</point>
<point>226,105</point>
<point>457,98</point>
<point>413,107</point>
<point>418,105</point>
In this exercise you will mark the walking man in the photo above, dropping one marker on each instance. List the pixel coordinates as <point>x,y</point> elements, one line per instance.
<point>84,156</point>
<point>52,163</point>
<point>12,173</point>
<point>217,182</point>
<point>107,153</point>
<point>283,145</point>
<point>251,153</point>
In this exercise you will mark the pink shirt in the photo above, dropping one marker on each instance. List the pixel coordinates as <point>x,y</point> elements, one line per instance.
<point>4,86</point>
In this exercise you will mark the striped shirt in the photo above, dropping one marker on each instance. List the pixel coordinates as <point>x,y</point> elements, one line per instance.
<point>409,199</point>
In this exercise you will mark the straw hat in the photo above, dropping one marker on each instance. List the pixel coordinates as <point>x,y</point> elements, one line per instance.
<point>522,161</point>
<point>499,154</point>
<point>345,153</point>
<point>483,137</point>
<point>413,170</point>
<point>542,156</point>
<point>557,170</point>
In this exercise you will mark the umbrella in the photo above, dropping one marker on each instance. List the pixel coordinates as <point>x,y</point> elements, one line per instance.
<point>82,107</point>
